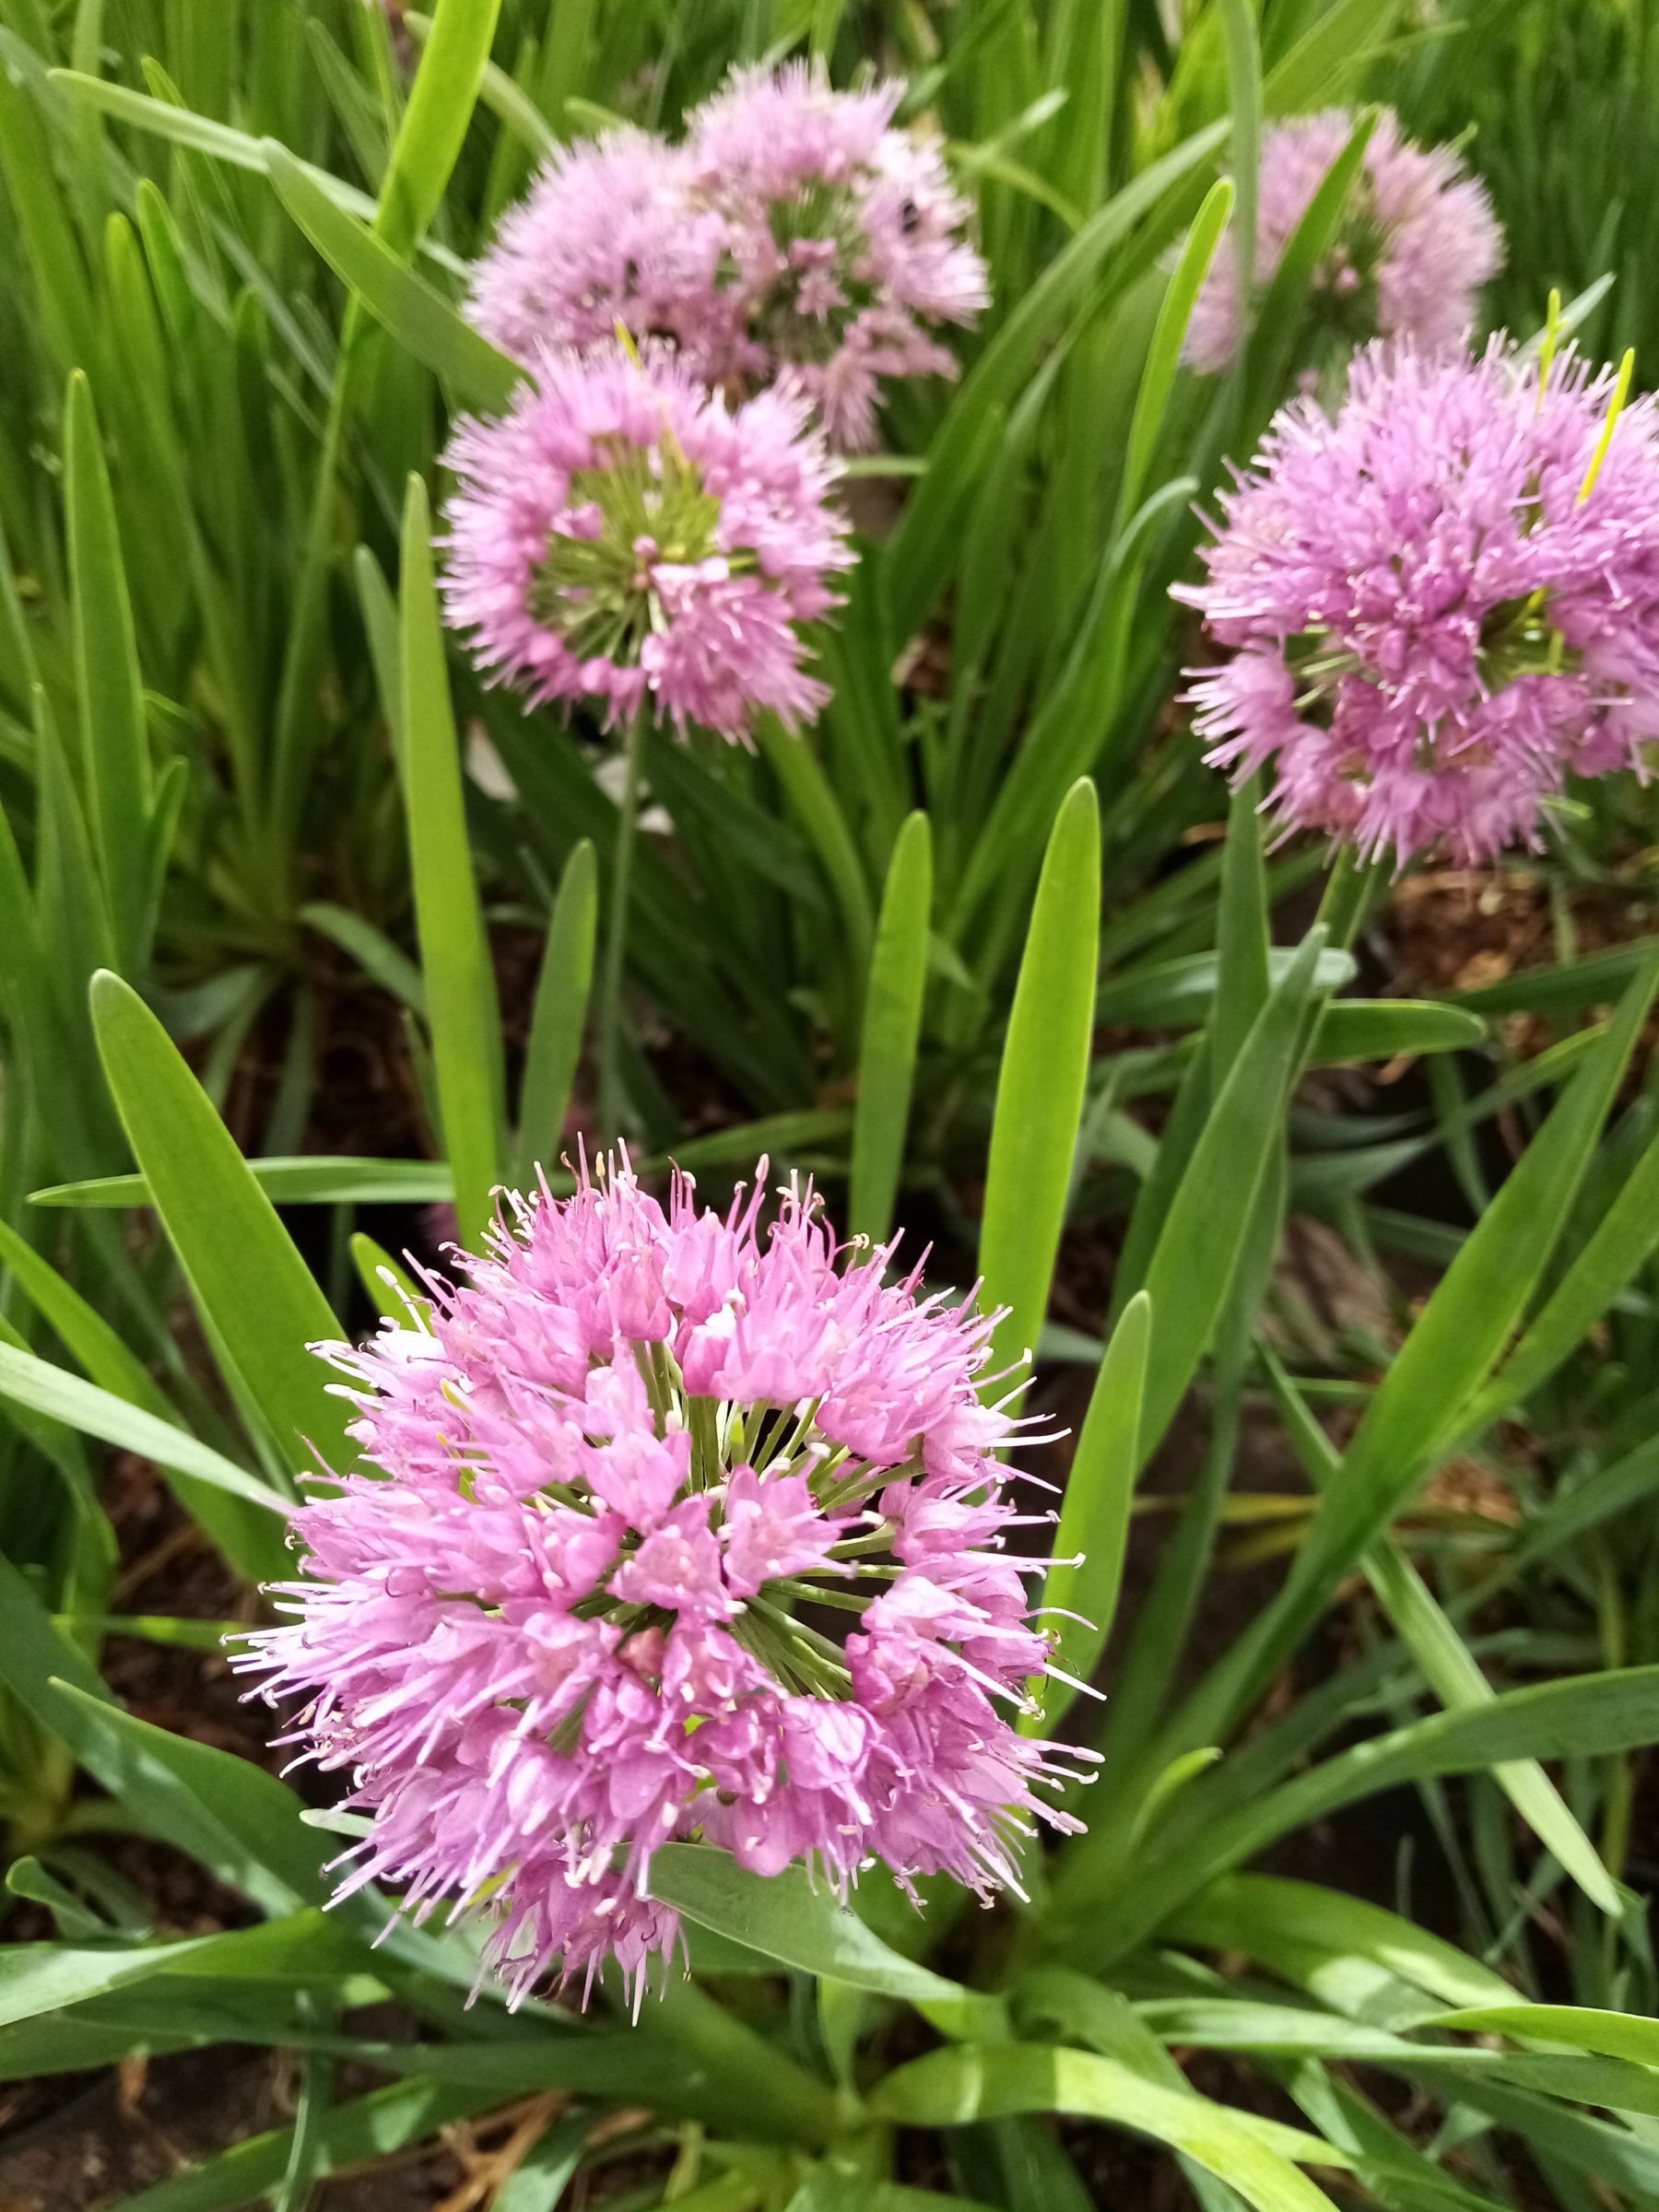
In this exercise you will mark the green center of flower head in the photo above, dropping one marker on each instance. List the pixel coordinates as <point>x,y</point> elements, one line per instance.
<point>804,313</point>
<point>641,508</point>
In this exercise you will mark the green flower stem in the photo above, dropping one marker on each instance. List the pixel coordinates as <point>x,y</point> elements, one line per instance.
<point>611,987</point>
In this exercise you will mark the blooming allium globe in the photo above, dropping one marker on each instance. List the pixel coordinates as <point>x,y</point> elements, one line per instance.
<point>559,1627</point>
<point>846,236</point>
<point>1418,240</point>
<point>623,535</point>
<point>1438,603</point>
<point>795,231</point>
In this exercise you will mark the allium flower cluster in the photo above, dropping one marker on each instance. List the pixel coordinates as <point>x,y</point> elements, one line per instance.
<point>563,1622</point>
<point>621,533</point>
<point>1438,604</point>
<point>794,230</point>
<point>1415,244</point>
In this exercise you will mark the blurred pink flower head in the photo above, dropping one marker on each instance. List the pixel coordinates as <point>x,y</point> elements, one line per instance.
<point>847,239</point>
<point>561,1624</point>
<point>795,230</point>
<point>1416,243</point>
<point>622,535</point>
<point>1437,604</point>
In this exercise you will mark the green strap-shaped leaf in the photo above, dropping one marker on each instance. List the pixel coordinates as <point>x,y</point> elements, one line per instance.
<point>1622,1240</point>
<point>786,1918</point>
<point>1345,36</point>
<point>111,690</point>
<point>562,990</point>
<point>416,312</point>
<point>434,121</point>
<point>256,1293</point>
<point>892,1022</point>
<point>43,1388</point>
<point>1210,1214</point>
<point>1163,356</point>
<point>1244,947</point>
<point>1094,1517</point>
<point>454,950</point>
<point>1266,1917</point>
<point>43,1977</point>
<point>302,1179</point>
<point>1384,1029</point>
<point>1039,1090</point>
<point>950,2088</point>
<point>1611,2034</point>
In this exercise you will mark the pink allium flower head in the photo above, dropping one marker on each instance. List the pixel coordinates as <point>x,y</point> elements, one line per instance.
<point>611,232</point>
<point>621,534</point>
<point>1418,242</point>
<point>795,231</point>
<point>560,1626</point>
<point>846,236</point>
<point>1430,618</point>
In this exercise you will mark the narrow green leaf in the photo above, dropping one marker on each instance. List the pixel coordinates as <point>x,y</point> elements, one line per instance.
<point>435,119</point>
<point>1616,1249</point>
<point>812,800</point>
<point>1182,992</point>
<point>1094,1514</point>
<point>1244,99</point>
<point>1259,1914</point>
<point>202,135</point>
<point>1205,1232</point>
<point>1168,334</point>
<point>374,1264</point>
<point>950,2088</point>
<point>1387,1029</point>
<point>43,1977</point>
<point>304,1178</point>
<point>375,952</point>
<point>921,549</point>
<point>1348,33</point>
<point>1243,941</point>
<point>52,1391</point>
<point>371,2127</point>
<point>559,1017</point>
<point>1612,2035</point>
<point>255,1291</point>
<point>787,1918</point>
<point>1041,1087</point>
<point>416,312</point>
<point>107,674</point>
<point>43,230</point>
<point>454,949</point>
<point>100,1348</point>
<point>892,1022</point>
